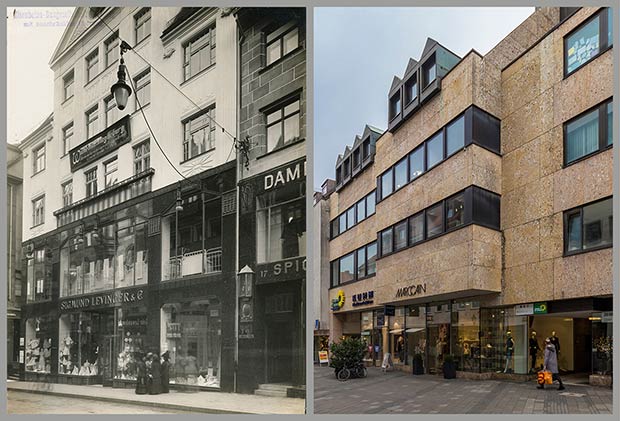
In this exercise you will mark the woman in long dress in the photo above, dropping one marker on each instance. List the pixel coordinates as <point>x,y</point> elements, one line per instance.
<point>140,374</point>
<point>165,372</point>
<point>156,375</point>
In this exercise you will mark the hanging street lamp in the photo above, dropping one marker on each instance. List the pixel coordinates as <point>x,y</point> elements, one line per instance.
<point>121,90</point>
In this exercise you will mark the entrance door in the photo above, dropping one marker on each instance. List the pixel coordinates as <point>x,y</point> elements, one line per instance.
<point>438,346</point>
<point>106,360</point>
<point>279,347</point>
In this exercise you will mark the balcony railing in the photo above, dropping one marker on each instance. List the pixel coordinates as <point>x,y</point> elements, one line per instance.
<point>116,194</point>
<point>191,263</point>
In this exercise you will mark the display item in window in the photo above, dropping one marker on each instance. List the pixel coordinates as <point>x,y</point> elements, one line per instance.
<point>65,365</point>
<point>510,344</point>
<point>534,348</point>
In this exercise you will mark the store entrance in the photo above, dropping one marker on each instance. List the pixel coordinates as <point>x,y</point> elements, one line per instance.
<point>438,333</point>
<point>279,347</point>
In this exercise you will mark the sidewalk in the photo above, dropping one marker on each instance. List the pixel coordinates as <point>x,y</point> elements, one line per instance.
<point>205,402</point>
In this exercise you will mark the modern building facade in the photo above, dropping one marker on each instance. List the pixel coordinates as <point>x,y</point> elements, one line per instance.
<point>14,286</point>
<point>484,211</point>
<point>272,197</point>
<point>129,232</point>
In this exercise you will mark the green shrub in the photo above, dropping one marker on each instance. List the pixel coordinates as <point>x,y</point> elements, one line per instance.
<point>346,353</point>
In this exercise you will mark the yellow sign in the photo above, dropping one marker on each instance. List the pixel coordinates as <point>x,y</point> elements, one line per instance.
<point>340,298</point>
<point>323,357</point>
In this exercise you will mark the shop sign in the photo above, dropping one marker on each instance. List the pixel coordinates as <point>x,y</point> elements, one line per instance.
<point>380,319</point>
<point>411,290</point>
<point>284,270</point>
<point>323,357</point>
<point>524,309</point>
<point>338,302</point>
<point>282,176</point>
<point>389,310</point>
<point>21,356</point>
<point>126,296</point>
<point>173,330</point>
<point>607,317</point>
<point>540,308</point>
<point>362,298</point>
<point>100,145</point>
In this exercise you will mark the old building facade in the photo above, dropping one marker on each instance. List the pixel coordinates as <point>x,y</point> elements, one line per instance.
<point>483,213</point>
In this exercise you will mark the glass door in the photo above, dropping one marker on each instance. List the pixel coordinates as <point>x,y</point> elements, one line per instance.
<point>438,343</point>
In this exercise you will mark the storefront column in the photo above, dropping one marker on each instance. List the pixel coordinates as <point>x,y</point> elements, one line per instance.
<point>336,323</point>
<point>386,336</point>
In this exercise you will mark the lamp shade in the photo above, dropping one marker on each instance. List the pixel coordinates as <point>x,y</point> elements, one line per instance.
<point>121,92</point>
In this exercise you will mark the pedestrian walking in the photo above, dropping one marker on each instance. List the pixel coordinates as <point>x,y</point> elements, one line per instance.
<point>165,372</point>
<point>551,363</point>
<point>140,374</point>
<point>149,372</point>
<point>155,375</point>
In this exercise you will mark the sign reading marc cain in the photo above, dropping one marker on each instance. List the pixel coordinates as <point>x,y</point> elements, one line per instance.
<point>411,290</point>
<point>100,145</point>
<point>126,296</point>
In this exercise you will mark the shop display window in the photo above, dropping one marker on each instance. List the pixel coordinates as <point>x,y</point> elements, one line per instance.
<point>397,335</point>
<point>438,324</point>
<point>602,343</point>
<point>38,344</point>
<point>39,277</point>
<point>415,332</point>
<point>495,325</point>
<point>130,343</point>
<point>465,335</point>
<point>192,334</point>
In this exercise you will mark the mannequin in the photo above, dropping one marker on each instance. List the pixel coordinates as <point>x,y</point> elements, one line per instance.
<point>534,348</point>
<point>510,344</point>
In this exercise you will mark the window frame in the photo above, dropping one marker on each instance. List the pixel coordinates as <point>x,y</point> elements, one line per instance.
<point>396,106</point>
<point>279,108</point>
<point>92,61</point>
<point>209,31</point>
<point>109,110</point>
<point>336,266</point>
<point>144,159</point>
<point>64,196</point>
<point>187,130</point>
<point>94,110</point>
<point>107,172</point>
<point>69,76</point>
<point>140,84</point>
<point>112,47</point>
<point>139,22</point>
<point>35,222</point>
<point>66,140</point>
<point>603,123</point>
<point>579,210</point>
<point>280,39</point>
<point>93,182</point>
<point>36,158</point>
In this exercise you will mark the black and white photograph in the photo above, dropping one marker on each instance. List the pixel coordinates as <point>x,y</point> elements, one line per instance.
<point>156,163</point>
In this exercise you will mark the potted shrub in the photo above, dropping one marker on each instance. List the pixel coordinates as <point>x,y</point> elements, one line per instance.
<point>347,353</point>
<point>418,364</point>
<point>449,367</point>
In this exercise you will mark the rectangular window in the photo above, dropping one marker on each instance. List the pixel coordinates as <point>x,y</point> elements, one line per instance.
<point>361,263</point>
<point>400,236</point>
<point>429,70</point>
<point>38,211</point>
<point>283,126</point>
<point>434,150</point>
<point>92,65</point>
<point>361,210</point>
<point>411,89</point>
<point>91,121</point>
<point>386,241</point>
<point>347,268</point>
<point>371,257</point>
<point>416,162</point>
<point>347,167</point>
<point>143,89</point>
<point>342,222</point>
<point>455,136</point>
<point>588,133</point>
<point>143,24</point>
<point>366,149</point>
<point>199,53</point>
<point>416,228</point>
<point>67,135</point>
<point>282,45</point>
<point>351,217</point>
<point>434,220</point>
<point>142,157</point>
<point>589,227</point>
<point>395,106</point>
<point>68,82</point>
<point>199,134</point>
<point>38,159</point>
<point>338,175</point>
<point>370,204</point>
<point>387,184</point>
<point>111,172</point>
<point>281,226</point>
<point>91,182</point>
<point>356,158</point>
<point>455,211</point>
<point>334,228</point>
<point>67,193</point>
<point>335,273</point>
<point>111,111</point>
<point>400,174</point>
<point>587,41</point>
<point>112,49</point>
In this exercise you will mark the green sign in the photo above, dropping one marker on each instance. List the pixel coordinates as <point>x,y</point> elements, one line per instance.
<point>540,308</point>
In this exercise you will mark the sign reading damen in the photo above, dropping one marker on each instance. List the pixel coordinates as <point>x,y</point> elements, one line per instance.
<point>280,177</point>
<point>411,290</point>
<point>104,299</point>
<point>105,142</point>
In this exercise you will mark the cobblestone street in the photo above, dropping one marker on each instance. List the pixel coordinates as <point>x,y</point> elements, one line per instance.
<point>401,393</point>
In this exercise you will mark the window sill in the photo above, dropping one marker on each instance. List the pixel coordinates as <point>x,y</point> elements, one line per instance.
<point>37,225</point>
<point>273,151</point>
<point>142,42</point>
<point>37,173</point>
<point>196,156</point>
<point>109,66</point>
<point>583,158</point>
<point>353,281</point>
<point>193,77</point>
<point>66,101</point>
<point>137,110</point>
<point>278,61</point>
<point>600,53</point>
<point>578,252</point>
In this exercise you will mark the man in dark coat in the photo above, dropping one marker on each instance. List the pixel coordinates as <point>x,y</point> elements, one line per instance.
<point>551,363</point>
<point>156,375</point>
<point>534,348</point>
<point>165,372</point>
<point>140,374</point>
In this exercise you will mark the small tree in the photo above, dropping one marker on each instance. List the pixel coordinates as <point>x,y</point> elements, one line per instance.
<point>346,353</point>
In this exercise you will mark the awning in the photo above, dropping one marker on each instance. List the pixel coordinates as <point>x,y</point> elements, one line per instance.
<point>414,329</point>
<point>396,331</point>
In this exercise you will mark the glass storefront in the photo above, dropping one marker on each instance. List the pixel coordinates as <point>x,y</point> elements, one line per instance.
<point>192,334</point>
<point>397,335</point>
<point>465,335</point>
<point>415,332</point>
<point>504,341</point>
<point>39,343</point>
<point>130,341</point>
<point>602,343</point>
<point>438,328</point>
<point>38,277</point>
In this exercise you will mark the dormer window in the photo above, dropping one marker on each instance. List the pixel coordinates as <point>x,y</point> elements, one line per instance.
<point>356,158</point>
<point>347,167</point>
<point>338,175</point>
<point>429,71</point>
<point>366,149</point>
<point>411,89</point>
<point>395,105</point>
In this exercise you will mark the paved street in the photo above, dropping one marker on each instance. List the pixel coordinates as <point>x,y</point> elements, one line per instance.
<point>401,393</point>
<point>36,403</point>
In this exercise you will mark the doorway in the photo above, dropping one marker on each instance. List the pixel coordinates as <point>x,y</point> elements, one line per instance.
<point>438,334</point>
<point>279,351</point>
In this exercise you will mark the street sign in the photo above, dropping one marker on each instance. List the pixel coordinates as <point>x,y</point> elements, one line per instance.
<point>540,308</point>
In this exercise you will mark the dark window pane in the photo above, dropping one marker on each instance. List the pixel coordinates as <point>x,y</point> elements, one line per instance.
<point>361,210</point>
<point>400,174</point>
<point>574,232</point>
<point>351,217</point>
<point>610,125</point>
<point>582,45</point>
<point>416,163</point>
<point>370,203</point>
<point>361,263</point>
<point>434,150</point>
<point>335,228</point>
<point>386,184</point>
<point>386,241</point>
<point>335,273</point>
<point>597,224</point>
<point>411,90</point>
<point>395,105</point>
<point>347,269</point>
<point>455,211</point>
<point>434,220</point>
<point>343,222</point>
<point>582,136</point>
<point>455,136</point>
<point>416,228</point>
<point>371,264</point>
<point>400,235</point>
<point>610,27</point>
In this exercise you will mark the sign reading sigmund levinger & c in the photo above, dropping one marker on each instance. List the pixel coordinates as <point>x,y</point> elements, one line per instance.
<point>103,143</point>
